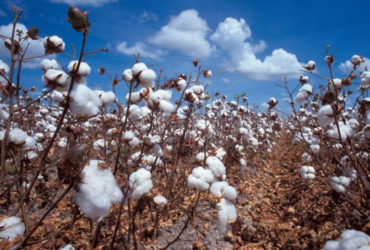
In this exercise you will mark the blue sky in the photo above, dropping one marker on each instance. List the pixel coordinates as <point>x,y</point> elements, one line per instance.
<point>249,45</point>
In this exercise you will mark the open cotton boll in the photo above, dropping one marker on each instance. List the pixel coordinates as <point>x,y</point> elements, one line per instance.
<point>158,150</point>
<point>160,200</point>
<point>345,131</point>
<point>48,64</point>
<point>57,96</point>
<point>53,44</point>
<point>140,182</point>
<point>4,68</point>
<point>107,98</point>
<point>138,67</point>
<point>310,66</point>
<point>67,247</point>
<point>222,189</point>
<point>220,153</point>
<point>200,157</point>
<point>55,78</point>
<point>216,166</point>
<point>83,70</point>
<point>200,178</point>
<point>84,101</point>
<point>325,115</point>
<point>136,97</point>
<point>307,172</point>
<point>350,240</point>
<point>365,80</point>
<point>166,106</point>
<point>128,135</point>
<point>4,115</point>
<point>97,191</point>
<point>306,157</point>
<point>301,96</point>
<point>17,136</point>
<point>226,213</point>
<point>127,75</point>
<point>146,78</point>
<point>134,142</point>
<point>11,227</point>
<point>98,144</point>
<point>180,84</point>
<point>339,184</point>
<point>135,112</point>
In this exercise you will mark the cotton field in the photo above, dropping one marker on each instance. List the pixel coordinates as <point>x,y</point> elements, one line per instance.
<point>170,165</point>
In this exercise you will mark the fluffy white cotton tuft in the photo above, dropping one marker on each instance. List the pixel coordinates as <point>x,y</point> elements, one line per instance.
<point>17,136</point>
<point>160,200</point>
<point>97,191</point>
<point>10,228</point>
<point>350,240</point>
<point>138,67</point>
<point>200,178</point>
<point>140,182</point>
<point>222,189</point>
<point>67,247</point>
<point>339,184</point>
<point>216,166</point>
<point>48,64</point>
<point>146,78</point>
<point>226,213</point>
<point>307,172</point>
<point>84,69</point>
<point>84,101</point>
<point>325,115</point>
<point>107,98</point>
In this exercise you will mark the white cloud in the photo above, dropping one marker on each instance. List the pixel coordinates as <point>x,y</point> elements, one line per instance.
<point>232,34</point>
<point>225,80</point>
<point>35,48</point>
<point>93,3</point>
<point>186,33</point>
<point>147,16</point>
<point>141,48</point>
<point>346,67</point>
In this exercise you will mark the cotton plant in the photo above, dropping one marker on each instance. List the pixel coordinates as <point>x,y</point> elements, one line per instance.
<point>97,190</point>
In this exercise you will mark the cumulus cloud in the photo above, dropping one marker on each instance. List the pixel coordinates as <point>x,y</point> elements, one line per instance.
<point>147,16</point>
<point>35,47</point>
<point>186,33</point>
<point>140,48</point>
<point>346,67</point>
<point>232,36</point>
<point>93,3</point>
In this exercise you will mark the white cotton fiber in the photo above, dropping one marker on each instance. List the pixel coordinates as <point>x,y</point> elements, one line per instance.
<point>55,77</point>
<point>222,189</point>
<point>17,136</point>
<point>67,247</point>
<point>226,213</point>
<point>84,101</point>
<point>307,172</point>
<point>140,182</point>
<point>160,200</point>
<point>127,75</point>
<point>339,184</point>
<point>325,115</point>
<point>200,178</point>
<point>146,78</point>
<point>97,191</point>
<point>10,228</point>
<point>106,98</point>
<point>216,166</point>
<point>48,64</point>
<point>350,240</point>
<point>83,70</point>
<point>138,67</point>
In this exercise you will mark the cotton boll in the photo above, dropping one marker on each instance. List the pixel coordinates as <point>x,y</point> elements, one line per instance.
<point>146,78</point>
<point>160,200</point>
<point>56,78</point>
<point>84,101</point>
<point>325,116</point>
<point>180,84</point>
<point>339,184</point>
<point>135,112</point>
<point>140,182</point>
<point>4,115</point>
<point>134,142</point>
<point>107,98</point>
<point>136,97</point>
<point>57,96</point>
<point>365,80</point>
<point>166,106</point>
<point>67,247</point>
<point>353,123</point>
<point>138,67</point>
<point>200,178</point>
<point>301,96</point>
<point>310,66</point>
<point>11,227</point>
<point>84,69</point>
<point>216,166</point>
<point>127,75</point>
<point>335,84</point>
<point>17,136</point>
<point>53,44</point>
<point>350,240</point>
<point>97,191</point>
<point>48,64</point>
<point>98,144</point>
<point>226,213</point>
<point>128,135</point>
<point>224,190</point>
<point>158,150</point>
<point>4,68</point>
<point>307,172</point>
<point>315,148</point>
<point>220,153</point>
